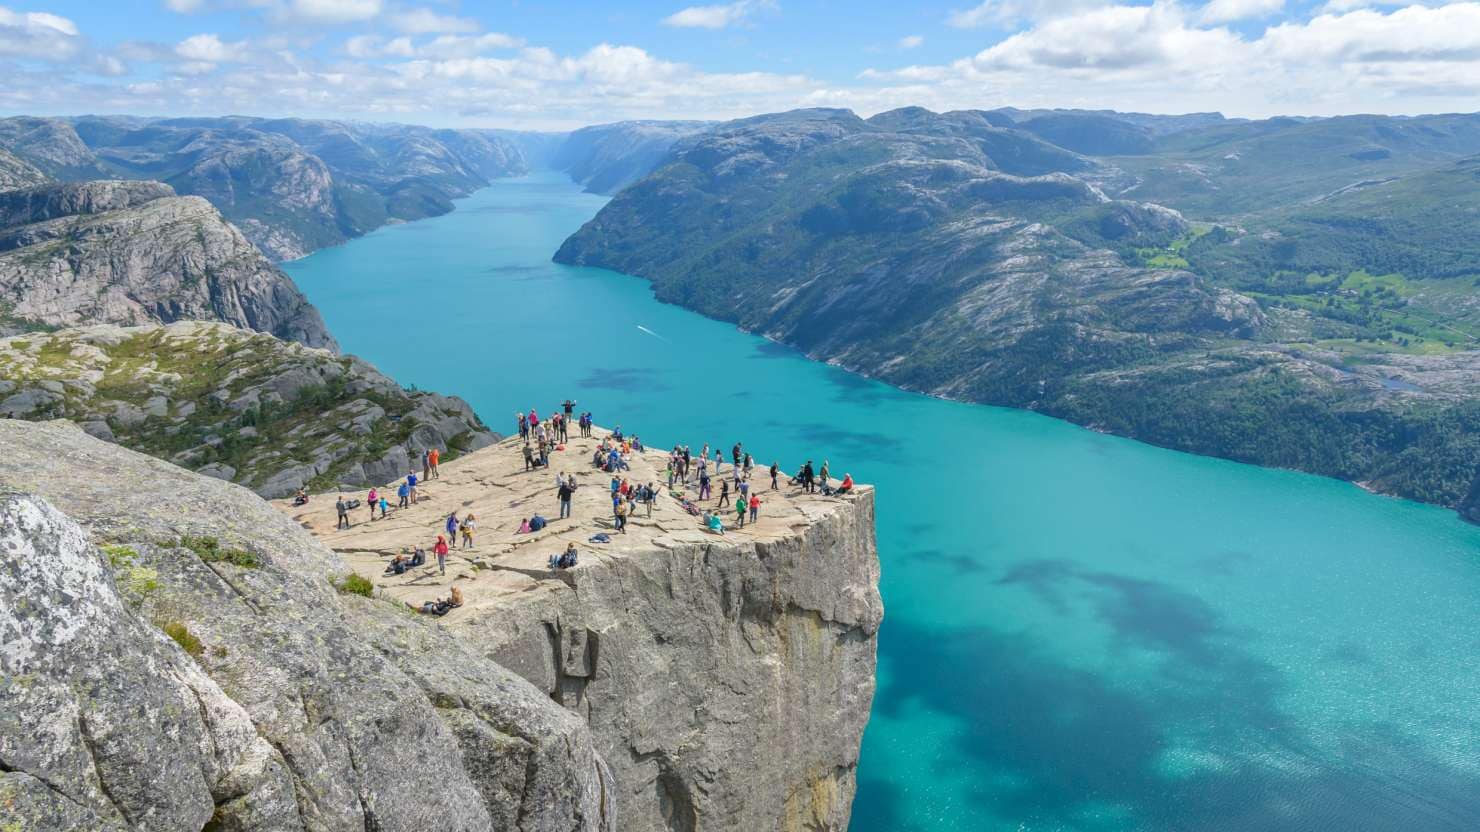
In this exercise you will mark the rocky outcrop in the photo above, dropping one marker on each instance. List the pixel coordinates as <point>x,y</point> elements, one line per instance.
<point>728,686</point>
<point>152,679</point>
<point>727,679</point>
<point>132,253</point>
<point>236,405</point>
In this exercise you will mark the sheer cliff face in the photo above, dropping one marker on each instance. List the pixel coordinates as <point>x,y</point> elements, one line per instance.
<point>728,686</point>
<point>153,682</point>
<point>133,253</point>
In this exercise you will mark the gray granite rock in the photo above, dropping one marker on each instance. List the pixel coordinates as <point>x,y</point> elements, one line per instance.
<point>133,252</point>
<point>207,395</point>
<point>727,690</point>
<point>289,706</point>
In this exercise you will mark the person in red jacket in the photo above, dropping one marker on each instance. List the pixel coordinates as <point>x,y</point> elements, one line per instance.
<point>755,507</point>
<point>441,552</point>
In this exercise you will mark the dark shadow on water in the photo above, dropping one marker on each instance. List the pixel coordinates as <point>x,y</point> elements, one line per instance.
<point>626,380</point>
<point>951,562</point>
<point>838,444</point>
<point>1051,744</point>
<point>771,349</point>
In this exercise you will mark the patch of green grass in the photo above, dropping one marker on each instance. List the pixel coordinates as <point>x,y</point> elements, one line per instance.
<point>119,555</point>
<point>355,584</point>
<point>210,550</point>
<point>183,637</point>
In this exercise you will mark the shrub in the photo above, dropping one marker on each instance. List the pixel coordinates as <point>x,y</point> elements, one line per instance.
<point>209,549</point>
<point>355,584</point>
<point>183,637</point>
<point>120,556</point>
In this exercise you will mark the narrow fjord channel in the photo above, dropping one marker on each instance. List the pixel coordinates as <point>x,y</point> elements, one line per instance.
<point>1082,632</point>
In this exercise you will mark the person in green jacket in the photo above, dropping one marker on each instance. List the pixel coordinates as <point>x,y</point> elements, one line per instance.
<point>740,512</point>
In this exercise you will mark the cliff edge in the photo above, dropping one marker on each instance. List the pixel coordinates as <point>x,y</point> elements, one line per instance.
<point>727,679</point>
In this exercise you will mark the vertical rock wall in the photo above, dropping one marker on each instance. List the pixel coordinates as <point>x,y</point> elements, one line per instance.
<point>727,685</point>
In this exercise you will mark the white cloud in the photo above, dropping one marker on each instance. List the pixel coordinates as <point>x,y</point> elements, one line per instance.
<point>911,41</point>
<point>465,46</point>
<point>427,22</point>
<point>715,17</point>
<point>1165,57</point>
<point>209,48</point>
<point>329,12</point>
<point>184,6</point>
<point>37,35</point>
<point>1012,12</point>
<point>375,46</point>
<point>1225,11</point>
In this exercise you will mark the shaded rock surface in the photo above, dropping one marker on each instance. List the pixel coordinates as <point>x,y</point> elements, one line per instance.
<point>132,253</point>
<point>235,405</point>
<point>154,682</point>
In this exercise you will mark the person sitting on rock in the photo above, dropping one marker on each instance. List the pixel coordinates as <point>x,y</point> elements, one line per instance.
<point>418,557</point>
<point>300,498</point>
<point>713,524</point>
<point>536,523</point>
<point>398,565</point>
<point>524,527</point>
<point>566,559</point>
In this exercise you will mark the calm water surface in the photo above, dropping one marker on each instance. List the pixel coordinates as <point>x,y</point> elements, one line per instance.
<point>1082,632</point>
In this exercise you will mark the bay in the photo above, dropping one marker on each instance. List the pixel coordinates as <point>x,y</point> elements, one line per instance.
<point>1082,632</point>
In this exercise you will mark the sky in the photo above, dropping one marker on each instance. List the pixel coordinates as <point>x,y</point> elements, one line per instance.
<point>557,65</point>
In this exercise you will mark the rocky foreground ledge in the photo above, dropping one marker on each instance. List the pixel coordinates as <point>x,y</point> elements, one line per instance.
<point>176,654</point>
<point>233,404</point>
<point>727,679</point>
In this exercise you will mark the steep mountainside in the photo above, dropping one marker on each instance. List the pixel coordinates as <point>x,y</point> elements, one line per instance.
<point>608,157</point>
<point>177,658</point>
<point>17,173</point>
<point>132,253</point>
<point>292,185</point>
<point>241,406</point>
<point>955,256</point>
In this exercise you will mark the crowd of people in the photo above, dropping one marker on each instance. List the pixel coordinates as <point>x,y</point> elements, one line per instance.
<point>724,494</point>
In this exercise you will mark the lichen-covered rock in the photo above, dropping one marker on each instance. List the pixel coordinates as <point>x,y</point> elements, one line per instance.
<point>133,253</point>
<point>273,703</point>
<point>238,405</point>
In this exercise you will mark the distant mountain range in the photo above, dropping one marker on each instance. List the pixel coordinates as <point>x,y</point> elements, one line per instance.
<point>1291,292</point>
<point>294,186</point>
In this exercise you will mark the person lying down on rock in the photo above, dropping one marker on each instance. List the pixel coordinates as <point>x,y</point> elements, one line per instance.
<point>441,606</point>
<point>403,562</point>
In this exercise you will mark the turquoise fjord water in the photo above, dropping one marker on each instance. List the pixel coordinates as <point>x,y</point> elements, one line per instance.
<point>1082,632</point>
